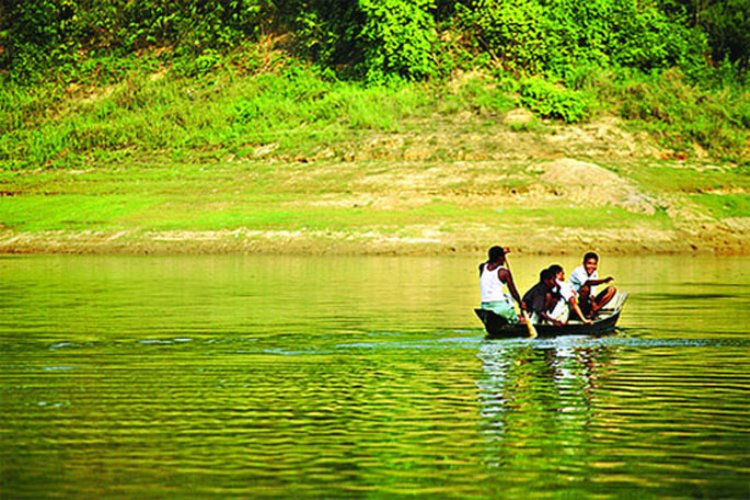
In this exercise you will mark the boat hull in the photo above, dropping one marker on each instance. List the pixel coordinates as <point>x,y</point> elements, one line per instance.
<point>498,328</point>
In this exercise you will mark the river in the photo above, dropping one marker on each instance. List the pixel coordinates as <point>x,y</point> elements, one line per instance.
<point>364,376</point>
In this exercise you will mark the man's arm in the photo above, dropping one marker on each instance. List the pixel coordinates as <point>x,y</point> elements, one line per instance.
<point>549,318</point>
<point>538,302</point>
<point>554,321</point>
<point>507,278</point>
<point>608,279</point>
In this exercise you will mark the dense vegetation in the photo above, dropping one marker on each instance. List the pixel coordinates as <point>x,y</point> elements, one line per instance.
<point>82,78</point>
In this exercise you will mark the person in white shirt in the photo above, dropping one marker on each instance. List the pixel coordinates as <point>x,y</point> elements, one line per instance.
<point>585,279</point>
<point>493,276</point>
<point>567,298</point>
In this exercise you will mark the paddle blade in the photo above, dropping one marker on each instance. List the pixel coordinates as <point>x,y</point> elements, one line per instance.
<point>529,326</point>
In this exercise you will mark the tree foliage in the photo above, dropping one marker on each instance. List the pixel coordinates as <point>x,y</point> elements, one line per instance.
<point>726,23</point>
<point>40,35</point>
<point>382,39</point>
<point>398,37</point>
<point>554,36</point>
<point>553,101</point>
<point>377,40</point>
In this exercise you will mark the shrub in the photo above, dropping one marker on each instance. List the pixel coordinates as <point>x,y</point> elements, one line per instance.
<point>682,114</point>
<point>553,101</point>
<point>554,36</point>
<point>398,37</point>
<point>45,35</point>
<point>511,31</point>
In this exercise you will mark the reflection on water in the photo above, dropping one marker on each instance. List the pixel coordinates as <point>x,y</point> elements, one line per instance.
<point>346,377</point>
<point>545,400</point>
<point>597,416</point>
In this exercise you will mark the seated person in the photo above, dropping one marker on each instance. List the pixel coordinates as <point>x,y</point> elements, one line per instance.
<point>540,299</point>
<point>584,279</point>
<point>493,276</point>
<point>567,298</point>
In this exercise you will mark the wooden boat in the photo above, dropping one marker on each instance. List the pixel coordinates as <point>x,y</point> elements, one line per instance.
<point>498,328</point>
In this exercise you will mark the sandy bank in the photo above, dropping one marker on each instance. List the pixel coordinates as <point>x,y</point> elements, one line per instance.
<point>428,241</point>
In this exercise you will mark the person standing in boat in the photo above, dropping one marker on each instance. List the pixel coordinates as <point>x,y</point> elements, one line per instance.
<point>540,299</point>
<point>585,279</point>
<point>493,276</point>
<point>567,298</point>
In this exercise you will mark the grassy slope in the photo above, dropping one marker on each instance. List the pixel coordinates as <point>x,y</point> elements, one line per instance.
<point>243,164</point>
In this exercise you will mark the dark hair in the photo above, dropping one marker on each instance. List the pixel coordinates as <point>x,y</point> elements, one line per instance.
<point>546,274</point>
<point>495,254</point>
<point>555,268</point>
<point>591,255</point>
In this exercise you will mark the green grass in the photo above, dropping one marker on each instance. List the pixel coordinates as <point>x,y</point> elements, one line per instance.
<point>291,111</point>
<point>68,212</point>
<point>681,114</point>
<point>583,217</point>
<point>289,149</point>
<point>162,200</point>
<point>671,177</point>
<point>296,112</point>
<point>351,203</point>
<point>723,206</point>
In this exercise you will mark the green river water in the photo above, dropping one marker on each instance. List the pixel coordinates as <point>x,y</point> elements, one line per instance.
<point>364,377</point>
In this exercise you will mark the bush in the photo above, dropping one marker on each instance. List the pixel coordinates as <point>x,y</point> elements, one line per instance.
<point>511,31</point>
<point>682,114</point>
<point>554,36</point>
<point>45,35</point>
<point>553,101</point>
<point>379,40</point>
<point>726,23</point>
<point>398,38</point>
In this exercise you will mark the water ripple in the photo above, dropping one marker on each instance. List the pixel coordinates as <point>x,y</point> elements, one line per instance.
<point>188,378</point>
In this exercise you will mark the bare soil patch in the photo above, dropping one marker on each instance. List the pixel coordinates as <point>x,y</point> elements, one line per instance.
<point>456,185</point>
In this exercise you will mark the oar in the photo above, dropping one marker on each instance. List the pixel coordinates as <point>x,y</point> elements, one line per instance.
<point>532,331</point>
<point>529,326</point>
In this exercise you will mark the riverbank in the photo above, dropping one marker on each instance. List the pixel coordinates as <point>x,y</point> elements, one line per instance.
<point>269,164</point>
<point>443,187</point>
<point>241,241</point>
<point>168,136</point>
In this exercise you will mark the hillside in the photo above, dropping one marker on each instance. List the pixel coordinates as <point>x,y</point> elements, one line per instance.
<point>433,181</point>
<point>385,128</point>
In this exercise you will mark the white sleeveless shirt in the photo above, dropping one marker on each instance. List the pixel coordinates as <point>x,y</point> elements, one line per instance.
<point>490,286</point>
